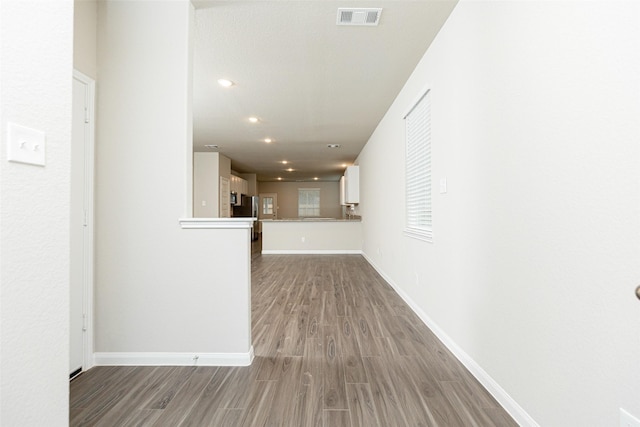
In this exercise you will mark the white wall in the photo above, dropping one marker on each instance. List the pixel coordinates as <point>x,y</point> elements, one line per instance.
<point>85,22</point>
<point>158,288</point>
<point>35,82</point>
<point>208,168</point>
<point>535,109</point>
<point>206,182</point>
<point>288,197</point>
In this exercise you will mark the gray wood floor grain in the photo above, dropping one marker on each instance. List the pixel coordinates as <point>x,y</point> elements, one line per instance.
<point>335,346</point>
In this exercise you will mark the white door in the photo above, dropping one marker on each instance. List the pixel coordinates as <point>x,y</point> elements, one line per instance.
<point>225,198</point>
<point>81,264</point>
<point>268,206</point>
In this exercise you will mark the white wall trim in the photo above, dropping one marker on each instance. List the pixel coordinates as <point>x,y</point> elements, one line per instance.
<point>507,402</point>
<point>216,222</point>
<point>89,185</point>
<point>312,252</point>
<point>174,359</point>
<point>424,235</point>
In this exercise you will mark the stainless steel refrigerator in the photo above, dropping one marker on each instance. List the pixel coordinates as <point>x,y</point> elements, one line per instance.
<point>248,207</point>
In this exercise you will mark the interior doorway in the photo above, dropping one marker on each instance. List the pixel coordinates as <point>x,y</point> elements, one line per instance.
<point>268,206</point>
<point>81,227</point>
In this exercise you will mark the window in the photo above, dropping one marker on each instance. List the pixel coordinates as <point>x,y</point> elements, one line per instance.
<point>267,206</point>
<point>418,169</point>
<point>308,202</point>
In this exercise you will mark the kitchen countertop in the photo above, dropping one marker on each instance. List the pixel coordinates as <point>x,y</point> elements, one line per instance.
<point>312,219</point>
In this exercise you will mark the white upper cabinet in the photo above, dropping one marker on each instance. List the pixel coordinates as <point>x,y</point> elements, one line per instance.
<point>239,185</point>
<point>351,185</point>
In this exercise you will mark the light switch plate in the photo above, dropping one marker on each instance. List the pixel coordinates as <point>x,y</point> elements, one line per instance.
<point>25,145</point>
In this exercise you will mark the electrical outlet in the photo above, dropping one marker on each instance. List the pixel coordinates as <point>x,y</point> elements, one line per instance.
<point>628,420</point>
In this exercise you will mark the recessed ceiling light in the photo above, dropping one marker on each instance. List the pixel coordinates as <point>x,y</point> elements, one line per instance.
<point>315,178</point>
<point>279,178</point>
<point>268,140</point>
<point>290,170</point>
<point>253,119</point>
<point>344,165</point>
<point>212,146</point>
<point>225,83</point>
<point>333,145</point>
<point>284,162</point>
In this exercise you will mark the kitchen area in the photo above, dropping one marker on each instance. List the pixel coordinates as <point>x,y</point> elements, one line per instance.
<point>340,233</point>
<point>281,225</point>
<point>218,192</point>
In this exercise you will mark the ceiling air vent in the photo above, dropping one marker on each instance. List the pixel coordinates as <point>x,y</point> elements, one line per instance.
<point>359,16</point>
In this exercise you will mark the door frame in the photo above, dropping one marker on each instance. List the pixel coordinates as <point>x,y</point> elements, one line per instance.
<point>224,205</point>
<point>275,205</point>
<point>88,236</point>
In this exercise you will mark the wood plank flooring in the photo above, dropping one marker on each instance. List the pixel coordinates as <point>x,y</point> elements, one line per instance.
<point>335,346</point>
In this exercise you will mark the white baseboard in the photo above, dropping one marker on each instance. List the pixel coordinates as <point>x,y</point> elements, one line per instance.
<point>311,252</point>
<point>507,402</point>
<point>173,359</point>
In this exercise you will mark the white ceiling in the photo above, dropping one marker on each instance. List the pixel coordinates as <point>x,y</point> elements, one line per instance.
<point>309,81</point>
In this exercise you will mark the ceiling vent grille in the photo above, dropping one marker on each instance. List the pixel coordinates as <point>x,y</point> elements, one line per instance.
<point>359,16</point>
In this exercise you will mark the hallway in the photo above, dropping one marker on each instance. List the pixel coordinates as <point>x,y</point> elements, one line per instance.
<point>334,346</point>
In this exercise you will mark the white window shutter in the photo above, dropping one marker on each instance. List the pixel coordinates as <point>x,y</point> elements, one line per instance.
<point>418,170</point>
